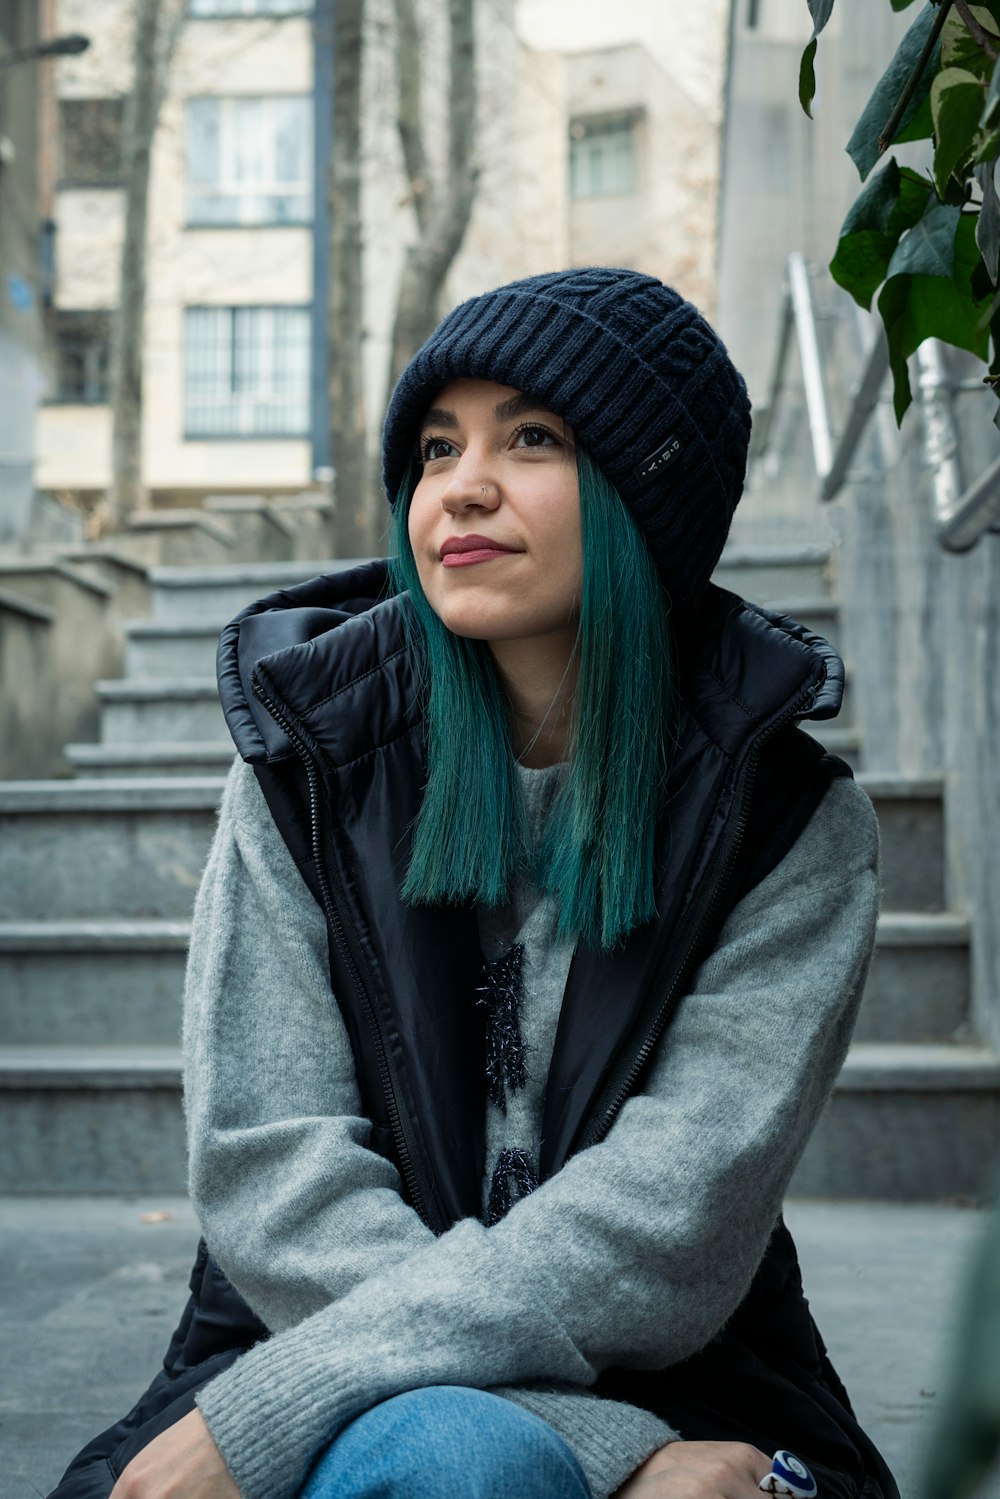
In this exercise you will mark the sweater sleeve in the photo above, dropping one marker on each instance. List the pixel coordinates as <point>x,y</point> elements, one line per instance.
<point>642,1246</point>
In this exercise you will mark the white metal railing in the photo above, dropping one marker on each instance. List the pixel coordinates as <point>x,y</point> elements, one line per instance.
<point>961,514</point>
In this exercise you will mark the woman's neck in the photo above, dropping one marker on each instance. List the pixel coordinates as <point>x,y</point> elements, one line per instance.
<point>540,681</point>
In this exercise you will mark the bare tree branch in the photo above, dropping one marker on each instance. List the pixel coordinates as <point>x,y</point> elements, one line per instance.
<point>157,27</point>
<point>353,521</point>
<point>409,117</point>
<point>450,208</point>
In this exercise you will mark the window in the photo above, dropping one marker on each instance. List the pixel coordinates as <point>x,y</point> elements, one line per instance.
<point>79,353</point>
<point>248,7</point>
<point>90,136</point>
<point>246,372</point>
<point>602,156</point>
<point>249,160</point>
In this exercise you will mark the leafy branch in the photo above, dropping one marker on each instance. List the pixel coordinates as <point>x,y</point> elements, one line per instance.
<point>925,246</point>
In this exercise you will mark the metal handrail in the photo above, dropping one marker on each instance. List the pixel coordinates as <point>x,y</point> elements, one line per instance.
<point>961,515</point>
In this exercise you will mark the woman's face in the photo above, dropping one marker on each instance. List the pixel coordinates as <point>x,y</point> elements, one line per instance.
<point>494,521</point>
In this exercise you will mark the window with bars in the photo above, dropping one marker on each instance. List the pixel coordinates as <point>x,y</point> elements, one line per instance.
<point>246,372</point>
<point>90,142</point>
<point>78,357</point>
<point>249,160</point>
<point>248,7</point>
<point>602,156</point>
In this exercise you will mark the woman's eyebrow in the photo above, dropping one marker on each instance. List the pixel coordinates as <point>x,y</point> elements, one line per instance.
<point>439,417</point>
<point>505,411</point>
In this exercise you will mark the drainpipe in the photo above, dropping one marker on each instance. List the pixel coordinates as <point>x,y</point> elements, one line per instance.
<point>320,340</point>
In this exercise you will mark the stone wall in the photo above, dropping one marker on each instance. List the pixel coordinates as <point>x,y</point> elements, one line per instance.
<point>922,627</point>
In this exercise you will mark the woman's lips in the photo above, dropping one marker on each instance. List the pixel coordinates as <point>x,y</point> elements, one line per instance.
<point>479,554</point>
<point>464,551</point>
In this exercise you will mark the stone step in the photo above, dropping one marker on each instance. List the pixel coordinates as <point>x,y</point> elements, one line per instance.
<point>151,758</point>
<point>172,648</point>
<point>114,980</point>
<point>262,531</point>
<point>911,826</point>
<point>770,574</point>
<point>135,845</point>
<point>178,538</point>
<point>170,709</point>
<point>169,646</point>
<point>123,848</point>
<point>91,1119</point>
<point>92,982</point>
<point>919,983</point>
<point>186,592</point>
<point>908,1123</point>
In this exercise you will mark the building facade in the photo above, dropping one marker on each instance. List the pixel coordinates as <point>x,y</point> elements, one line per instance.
<point>591,150</point>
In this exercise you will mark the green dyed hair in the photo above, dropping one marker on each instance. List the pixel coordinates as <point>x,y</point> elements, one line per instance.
<point>597,856</point>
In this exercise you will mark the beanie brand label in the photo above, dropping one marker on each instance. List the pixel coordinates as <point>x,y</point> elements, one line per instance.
<point>653,466</point>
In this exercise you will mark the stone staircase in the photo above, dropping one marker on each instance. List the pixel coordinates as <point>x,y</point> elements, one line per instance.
<point>98,875</point>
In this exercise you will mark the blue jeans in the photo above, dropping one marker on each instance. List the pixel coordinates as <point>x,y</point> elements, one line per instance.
<point>447,1442</point>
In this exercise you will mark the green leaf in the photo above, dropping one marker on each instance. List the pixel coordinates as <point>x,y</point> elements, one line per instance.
<point>891,201</point>
<point>820,10</point>
<point>863,144</point>
<point>956,105</point>
<point>919,126</point>
<point>988,221</point>
<point>991,109</point>
<point>900,4</point>
<point>928,249</point>
<point>986,147</point>
<point>807,78</point>
<point>915,306</point>
<point>959,48</point>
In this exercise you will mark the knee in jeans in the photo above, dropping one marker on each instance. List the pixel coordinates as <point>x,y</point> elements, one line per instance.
<point>451,1441</point>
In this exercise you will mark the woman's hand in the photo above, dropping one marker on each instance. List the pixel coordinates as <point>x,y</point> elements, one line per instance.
<point>699,1470</point>
<point>181,1463</point>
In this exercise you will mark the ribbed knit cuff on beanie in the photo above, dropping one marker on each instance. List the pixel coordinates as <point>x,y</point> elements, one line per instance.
<point>636,371</point>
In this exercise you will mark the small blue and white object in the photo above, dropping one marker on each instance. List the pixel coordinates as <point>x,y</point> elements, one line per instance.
<point>789,1475</point>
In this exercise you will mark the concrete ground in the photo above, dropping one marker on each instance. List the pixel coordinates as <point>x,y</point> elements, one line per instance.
<point>90,1289</point>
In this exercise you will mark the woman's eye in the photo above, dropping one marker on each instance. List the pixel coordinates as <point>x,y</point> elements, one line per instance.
<point>534,437</point>
<point>435,447</point>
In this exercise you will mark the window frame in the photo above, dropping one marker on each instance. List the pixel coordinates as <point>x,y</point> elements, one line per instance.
<point>57,337</point>
<point>227,184</point>
<point>266,398</point>
<point>301,8</point>
<point>616,122</point>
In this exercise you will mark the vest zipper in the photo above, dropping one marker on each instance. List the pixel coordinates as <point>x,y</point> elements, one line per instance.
<point>625,1077</point>
<point>340,926</point>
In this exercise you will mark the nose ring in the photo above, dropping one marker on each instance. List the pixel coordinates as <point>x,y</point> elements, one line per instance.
<point>484,489</point>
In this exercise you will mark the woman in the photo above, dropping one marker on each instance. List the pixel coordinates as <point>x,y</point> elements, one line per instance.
<point>533,806</point>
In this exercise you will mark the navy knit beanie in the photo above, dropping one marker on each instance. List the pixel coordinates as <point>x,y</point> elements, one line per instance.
<point>639,375</point>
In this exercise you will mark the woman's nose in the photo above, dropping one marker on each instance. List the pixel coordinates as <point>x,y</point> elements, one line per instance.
<point>471,487</point>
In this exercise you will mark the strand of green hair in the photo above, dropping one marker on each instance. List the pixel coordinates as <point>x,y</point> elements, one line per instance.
<point>598,853</point>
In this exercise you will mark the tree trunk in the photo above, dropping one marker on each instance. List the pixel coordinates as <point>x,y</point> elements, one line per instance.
<point>157,25</point>
<point>443,209</point>
<point>354,524</point>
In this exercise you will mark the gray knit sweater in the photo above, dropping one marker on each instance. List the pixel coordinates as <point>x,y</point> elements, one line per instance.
<point>635,1253</point>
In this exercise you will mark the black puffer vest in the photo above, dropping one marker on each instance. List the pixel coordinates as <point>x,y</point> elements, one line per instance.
<point>319,692</point>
